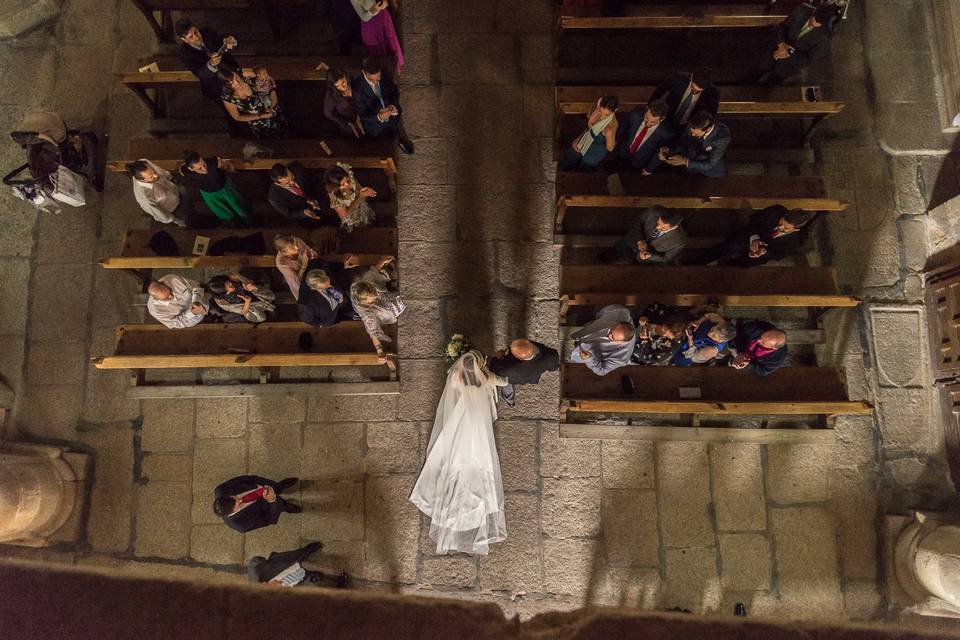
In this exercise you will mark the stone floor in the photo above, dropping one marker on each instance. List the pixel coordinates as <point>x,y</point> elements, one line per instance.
<point>787,530</point>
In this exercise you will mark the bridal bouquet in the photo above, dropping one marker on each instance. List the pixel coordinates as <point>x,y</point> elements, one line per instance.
<point>456,346</point>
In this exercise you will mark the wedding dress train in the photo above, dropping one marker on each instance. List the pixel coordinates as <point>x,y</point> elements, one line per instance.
<point>460,486</point>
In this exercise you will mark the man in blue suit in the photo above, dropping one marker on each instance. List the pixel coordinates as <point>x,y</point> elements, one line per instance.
<point>701,150</point>
<point>639,140</point>
<point>378,104</point>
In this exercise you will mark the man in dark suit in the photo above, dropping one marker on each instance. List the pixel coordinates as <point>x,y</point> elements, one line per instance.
<point>687,93</point>
<point>701,149</point>
<point>772,234</point>
<point>249,502</point>
<point>802,38</point>
<point>284,569</point>
<point>199,52</point>
<point>655,237</point>
<point>761,348</point>
<point>292,193</point>
<point>378,104</point>
<point>324,296</point>
<point>645,132</point>
<point>523,363</point>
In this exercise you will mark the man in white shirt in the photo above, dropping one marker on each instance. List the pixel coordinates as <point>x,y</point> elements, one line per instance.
<point>177,302</point>
<point>157,194</point>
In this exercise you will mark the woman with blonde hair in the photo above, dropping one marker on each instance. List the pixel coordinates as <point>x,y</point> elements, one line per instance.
<point>460,486</point>
<point>293,256</point>
<point>375,304</point>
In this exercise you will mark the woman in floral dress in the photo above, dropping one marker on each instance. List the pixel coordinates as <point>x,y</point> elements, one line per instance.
<point>244,104</point>
<point>348,198</point>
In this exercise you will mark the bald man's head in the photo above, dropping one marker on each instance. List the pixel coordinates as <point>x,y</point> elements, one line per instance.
<point>621,332</point>
<point>523,349</point>
<point>773,339</point>
<point>159,291</point>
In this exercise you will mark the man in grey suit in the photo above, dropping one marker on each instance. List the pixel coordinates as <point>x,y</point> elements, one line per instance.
<point>606,343</point>
<point>655,237</point>
<point>700,151</point>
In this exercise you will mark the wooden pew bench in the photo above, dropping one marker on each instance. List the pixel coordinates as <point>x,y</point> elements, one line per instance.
<point>159,13</point>
<point>283,69</point>
<point>678,16</point>
<point>368,244</point>
<point>264,347</point>
<point>694,285</point>
<point>722,391</point>
<point>693,192</point>
<point>360,154</point>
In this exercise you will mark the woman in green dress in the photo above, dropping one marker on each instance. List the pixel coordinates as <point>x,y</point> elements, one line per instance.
<point>216,187</point>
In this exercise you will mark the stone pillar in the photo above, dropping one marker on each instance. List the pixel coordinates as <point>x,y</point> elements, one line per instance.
<point>19,16</point>
<point>926,562</point>
<point>42,489</point>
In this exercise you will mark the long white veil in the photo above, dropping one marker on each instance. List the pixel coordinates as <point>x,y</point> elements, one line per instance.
<point>460,486</point>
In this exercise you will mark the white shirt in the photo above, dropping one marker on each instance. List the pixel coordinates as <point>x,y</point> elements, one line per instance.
<point>159,199</point>
<point>362,7</point>
<point>175,313</point>
<point>683,117</point>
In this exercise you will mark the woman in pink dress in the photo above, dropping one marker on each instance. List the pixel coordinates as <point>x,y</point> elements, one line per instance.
<point>377,30</point>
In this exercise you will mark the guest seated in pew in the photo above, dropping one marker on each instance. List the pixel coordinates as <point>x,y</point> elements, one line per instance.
<point>245,105</point>
<point>293,257</point>
<point>376,305</point>
<point>216,188</point>
<point>591,147</point>
<point>377,100</point>
<point>687,93</point>
<point>655,237</point>
<point>241,299</point>
<point>660,331</point>
<point>606,343</point>
<point>760,348</point>
<point>158,195</point>
<point>640,139</point>
<point>323,299</point>
<point>773,234</point>
<point>205,54</point>
<point>803,38</point>
<point>177,302</point>
<point>701,149</point>
<point>705,340</point>
<point>349,198</point>
<point>292,195</point>
<point>339,105</point>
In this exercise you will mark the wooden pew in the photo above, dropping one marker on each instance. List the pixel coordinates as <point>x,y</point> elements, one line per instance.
<point>360,154</point>
<point>723,391</point>
<point>769,102</point>
<point>694,285</point>
<point>795,337</point>
<point>267,345</point>
<point>679,16</point>
<point>693,192</point>
<point>283,69</point>
<point>159,13</point>
<point>135,252</point>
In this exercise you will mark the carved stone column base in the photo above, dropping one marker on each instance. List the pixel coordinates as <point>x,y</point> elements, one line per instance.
<point>918,555</point>
<point>19,16</point>
<point>43,494</point>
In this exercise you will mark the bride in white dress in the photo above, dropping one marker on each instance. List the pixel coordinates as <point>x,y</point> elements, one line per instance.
<point>460,487</point>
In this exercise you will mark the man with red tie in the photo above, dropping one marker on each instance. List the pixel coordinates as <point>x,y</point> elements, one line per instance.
<point>249,502</point>
<point>645,132</point>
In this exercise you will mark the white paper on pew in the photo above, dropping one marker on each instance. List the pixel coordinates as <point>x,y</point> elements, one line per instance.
<point>689,393</point>
<point>615,186</point>
<point>150,68</point>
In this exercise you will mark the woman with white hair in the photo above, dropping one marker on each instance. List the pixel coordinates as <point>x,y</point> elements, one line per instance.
<point>460,486</point>
<point>375,304</point>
